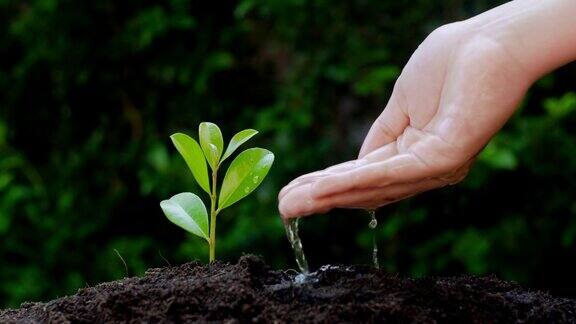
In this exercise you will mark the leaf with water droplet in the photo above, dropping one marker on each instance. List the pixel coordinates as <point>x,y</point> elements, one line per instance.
<point>188,212</point>
<point>237,140</point>
<point>239,179</point>
<point>211,142</point>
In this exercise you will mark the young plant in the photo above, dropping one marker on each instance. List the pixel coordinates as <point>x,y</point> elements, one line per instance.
<point>245,174</point>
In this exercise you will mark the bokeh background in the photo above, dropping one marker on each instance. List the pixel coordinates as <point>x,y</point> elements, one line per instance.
<point>91,90</point>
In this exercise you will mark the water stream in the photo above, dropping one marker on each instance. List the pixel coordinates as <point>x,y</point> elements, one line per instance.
<point>373,224</point>
<point>291,227</point>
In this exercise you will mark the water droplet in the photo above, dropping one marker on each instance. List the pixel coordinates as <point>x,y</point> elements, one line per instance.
<point>373,223</point>
<point>255,179</point>
<point>247,189</point>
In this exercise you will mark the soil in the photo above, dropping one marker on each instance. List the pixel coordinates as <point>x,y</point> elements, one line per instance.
<point>250,291</point>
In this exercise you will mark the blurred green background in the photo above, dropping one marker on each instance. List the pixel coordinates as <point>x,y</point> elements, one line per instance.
<point>91,90</point>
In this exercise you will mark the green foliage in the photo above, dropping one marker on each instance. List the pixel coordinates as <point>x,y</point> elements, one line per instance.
<point>237,140</point>
<point>192,154</point>
<point>187,211</point>
<point>90,90</point>
<point>498,155</point>
<point>212,143</point>
<point>561,107</point>
<point>244,175</point>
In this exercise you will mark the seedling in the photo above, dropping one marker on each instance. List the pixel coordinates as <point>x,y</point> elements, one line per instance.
<point>244,175</point>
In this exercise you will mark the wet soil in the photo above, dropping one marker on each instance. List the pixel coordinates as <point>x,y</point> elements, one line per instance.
<point>250,291</point>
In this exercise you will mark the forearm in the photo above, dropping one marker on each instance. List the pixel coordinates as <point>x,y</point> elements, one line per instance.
<point>539,34</point>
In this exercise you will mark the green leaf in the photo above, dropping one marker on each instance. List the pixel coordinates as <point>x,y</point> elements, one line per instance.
<point>237,140</point>
<point>561,107</point>
<point>244,175</point>
<point>498,156</point>
<point>192,154</point>
<point>187,211</point>
<point>375,80</point>
<point>210,135</point>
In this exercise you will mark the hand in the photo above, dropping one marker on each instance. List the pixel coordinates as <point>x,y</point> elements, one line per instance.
<point>457,90</point>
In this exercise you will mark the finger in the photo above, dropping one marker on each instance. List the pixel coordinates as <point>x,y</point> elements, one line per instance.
<point>383,153</point>
<point>378,197</point>
<point>300,202</point>
<point>313,176</point>
<point>330,170</point>
<point>380,154</point>
<point>388,126</point>
<point>297,202</point>
<point>406,167</point>
<point>301,180</point>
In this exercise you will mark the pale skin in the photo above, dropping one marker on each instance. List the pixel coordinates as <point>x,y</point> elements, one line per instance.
<point>458,89</point>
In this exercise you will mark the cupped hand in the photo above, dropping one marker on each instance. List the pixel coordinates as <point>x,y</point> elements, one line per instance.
<point>457,90</point>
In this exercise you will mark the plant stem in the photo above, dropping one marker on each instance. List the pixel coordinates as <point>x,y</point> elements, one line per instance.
<point>213,213</point>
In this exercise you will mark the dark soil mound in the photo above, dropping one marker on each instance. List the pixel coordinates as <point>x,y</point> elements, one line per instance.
<point>251,292</point>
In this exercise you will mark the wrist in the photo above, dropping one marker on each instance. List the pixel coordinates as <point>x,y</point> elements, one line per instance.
<point>539,35</point>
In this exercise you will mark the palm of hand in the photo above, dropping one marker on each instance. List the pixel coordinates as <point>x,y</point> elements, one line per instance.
<point>452,96</point>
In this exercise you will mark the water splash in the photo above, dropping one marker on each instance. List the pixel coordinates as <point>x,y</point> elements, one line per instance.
<point>291,227</point>
<point>373,224</point>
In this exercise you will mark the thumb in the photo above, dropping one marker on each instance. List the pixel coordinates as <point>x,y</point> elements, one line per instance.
<point>388,126</point>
